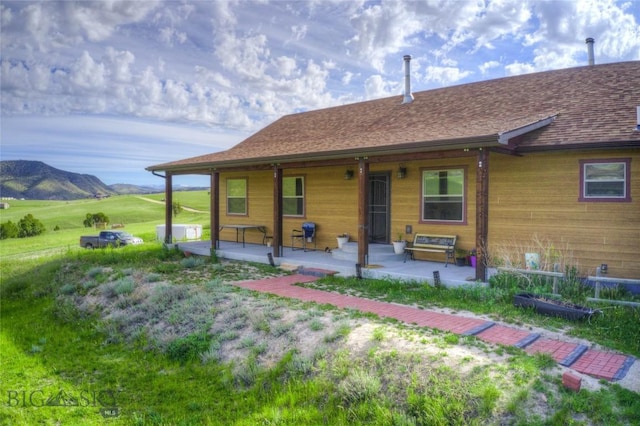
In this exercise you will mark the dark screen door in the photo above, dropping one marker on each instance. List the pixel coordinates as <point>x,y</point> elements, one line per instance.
<point>379,200</point>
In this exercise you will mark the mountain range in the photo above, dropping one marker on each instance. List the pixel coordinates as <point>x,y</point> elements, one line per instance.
<point>36,180</point>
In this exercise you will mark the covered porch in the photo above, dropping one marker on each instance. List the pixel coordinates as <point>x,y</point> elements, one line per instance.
<point>382,262</point>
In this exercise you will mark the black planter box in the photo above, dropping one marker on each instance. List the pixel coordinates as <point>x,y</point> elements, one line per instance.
<point>552,307</point>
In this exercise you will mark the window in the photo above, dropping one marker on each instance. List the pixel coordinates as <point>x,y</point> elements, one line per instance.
<point>237,196</point>
<point>293,196</point>
<point>604,180</point>
<point>443,195</point>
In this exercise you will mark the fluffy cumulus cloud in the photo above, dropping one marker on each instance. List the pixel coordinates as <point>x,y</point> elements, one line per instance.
<point>240,65</point>
<point>215,71</point>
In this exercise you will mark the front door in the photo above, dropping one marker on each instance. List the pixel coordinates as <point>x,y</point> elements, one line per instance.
<point>379,200</point>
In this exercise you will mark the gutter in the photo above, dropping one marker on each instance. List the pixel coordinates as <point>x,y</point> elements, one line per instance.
<point>504,137</point>
<point>348,154</point>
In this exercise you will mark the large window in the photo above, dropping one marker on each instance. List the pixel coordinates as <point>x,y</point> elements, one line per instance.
<point>443,195</point>
<point>604,180</point>
<point>293,196</point>
<point>237,196</point>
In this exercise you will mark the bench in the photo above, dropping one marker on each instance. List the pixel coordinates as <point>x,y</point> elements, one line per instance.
<point>433,244</point>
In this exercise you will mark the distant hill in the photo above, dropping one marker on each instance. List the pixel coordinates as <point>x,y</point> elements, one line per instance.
<point>38,181</point>
<point>127,188</point>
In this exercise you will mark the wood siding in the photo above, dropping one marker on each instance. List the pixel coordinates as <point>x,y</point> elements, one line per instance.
<point>332,203</point>
<point>533,206</point>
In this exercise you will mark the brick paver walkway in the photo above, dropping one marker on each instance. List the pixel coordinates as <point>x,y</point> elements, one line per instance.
<point>600,364</point>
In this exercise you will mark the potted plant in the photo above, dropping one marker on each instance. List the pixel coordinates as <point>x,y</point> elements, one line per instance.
<point>399,245</point>
<point>471,258</point>
<point>461,257</point>
<point>343,239</point>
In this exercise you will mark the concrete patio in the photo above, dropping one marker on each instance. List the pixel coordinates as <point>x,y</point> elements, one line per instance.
<point>383,263</point>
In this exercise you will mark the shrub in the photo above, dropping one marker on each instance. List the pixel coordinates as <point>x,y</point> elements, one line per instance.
<point>68,289</point>
<point>192,262</point>
<point>92,219</point>
<point>359,386</point>
<point>167,268</point>
<point>94,272</point>
<point>29,226</point>
<point>212,354</point>
<point>124,286</point>
<point>8,230</point>
<point>153,277</point>
<point>188,348</point>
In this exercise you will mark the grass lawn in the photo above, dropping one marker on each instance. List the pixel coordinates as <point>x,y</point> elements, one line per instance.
<point>138,216</point>
<point>142,335</point>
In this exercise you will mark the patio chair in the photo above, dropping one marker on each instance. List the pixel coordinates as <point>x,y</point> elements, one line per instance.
<point>305,235</point>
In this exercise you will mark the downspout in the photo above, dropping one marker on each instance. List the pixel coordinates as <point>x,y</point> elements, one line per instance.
<point>278,246</point>
<point>482,214</point>
<point>363,212</point>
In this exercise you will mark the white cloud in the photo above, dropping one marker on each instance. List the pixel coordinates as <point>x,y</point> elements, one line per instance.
<point>485,67</point>
<point>444,75</point>
<point>382,31</point>
<point>517,68</point>
<point>87,74</point>
<point>299,31</point>
<point>285,66</point>
<point>97,20</point>
<point>119,64</point>
<point>376,87</point>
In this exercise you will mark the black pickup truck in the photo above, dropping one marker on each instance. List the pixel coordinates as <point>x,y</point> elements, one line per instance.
<point>109,239</point>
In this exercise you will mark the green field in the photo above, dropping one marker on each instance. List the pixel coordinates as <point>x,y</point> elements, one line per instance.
<point>138,215</point>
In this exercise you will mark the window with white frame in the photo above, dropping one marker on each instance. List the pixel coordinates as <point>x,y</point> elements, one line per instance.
<point>443,195</point>
<point>293,196</point>
<point>237,196</point>
<point>604,180</point>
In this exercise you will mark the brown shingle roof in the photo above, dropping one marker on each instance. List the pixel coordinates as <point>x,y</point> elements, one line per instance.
<point>592,105</point>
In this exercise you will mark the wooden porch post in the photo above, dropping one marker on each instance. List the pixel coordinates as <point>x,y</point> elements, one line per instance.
<point>277,211</point>
<point>168,208</point>
<point>363,211</point>
<point>214,207</point>
<point>482,213</point>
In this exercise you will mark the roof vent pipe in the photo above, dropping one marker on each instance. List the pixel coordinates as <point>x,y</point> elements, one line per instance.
<point>408,97</point>
<point>590,42</point>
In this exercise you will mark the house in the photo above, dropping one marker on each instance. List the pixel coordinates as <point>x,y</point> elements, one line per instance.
<point>549,160</point>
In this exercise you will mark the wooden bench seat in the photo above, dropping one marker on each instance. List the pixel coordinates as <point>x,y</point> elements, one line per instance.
<point>434,244</point>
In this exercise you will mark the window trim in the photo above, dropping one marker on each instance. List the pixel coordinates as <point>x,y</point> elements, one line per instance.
<point>465,174</point>
<point>246,196</point>
<point>627,181</point>
<point>304,197</point>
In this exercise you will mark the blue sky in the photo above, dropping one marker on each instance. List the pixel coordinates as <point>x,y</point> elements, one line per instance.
<point>109,88</point>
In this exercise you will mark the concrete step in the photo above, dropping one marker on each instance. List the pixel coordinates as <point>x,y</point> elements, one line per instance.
<point>377,253</point>
<point>316,272</point>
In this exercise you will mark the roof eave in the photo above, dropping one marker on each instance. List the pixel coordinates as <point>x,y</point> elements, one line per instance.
<point>420,146</point>
<point>504,137</point>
